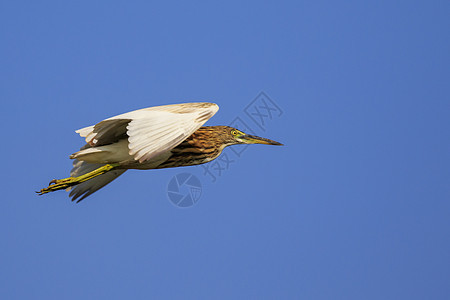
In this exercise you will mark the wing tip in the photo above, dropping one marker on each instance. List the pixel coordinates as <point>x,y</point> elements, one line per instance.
<point>215,107</point>
<point>207,114</point>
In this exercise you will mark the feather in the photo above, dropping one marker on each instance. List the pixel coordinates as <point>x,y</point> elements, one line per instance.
<point>151,131</point>
<point>89,187</point>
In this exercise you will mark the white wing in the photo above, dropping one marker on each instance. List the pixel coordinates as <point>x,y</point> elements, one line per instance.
<point>152,130</point>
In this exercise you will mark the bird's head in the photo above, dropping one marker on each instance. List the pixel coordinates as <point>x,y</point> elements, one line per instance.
<point>236,136</point>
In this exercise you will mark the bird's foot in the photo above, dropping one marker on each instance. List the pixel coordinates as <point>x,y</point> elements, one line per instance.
<point>59,184</point>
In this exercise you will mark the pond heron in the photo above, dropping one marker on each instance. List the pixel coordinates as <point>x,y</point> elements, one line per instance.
<point>151,138</point>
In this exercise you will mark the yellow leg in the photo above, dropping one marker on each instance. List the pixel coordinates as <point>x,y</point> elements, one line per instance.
<point>62,184</point>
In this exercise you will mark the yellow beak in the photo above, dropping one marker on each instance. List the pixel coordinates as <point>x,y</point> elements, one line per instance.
<point>252,139</point>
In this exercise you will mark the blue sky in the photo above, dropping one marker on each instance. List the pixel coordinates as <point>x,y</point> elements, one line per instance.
<point>354,206</point>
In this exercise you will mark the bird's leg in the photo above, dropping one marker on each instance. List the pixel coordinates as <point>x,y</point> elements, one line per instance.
<point>60,184</point>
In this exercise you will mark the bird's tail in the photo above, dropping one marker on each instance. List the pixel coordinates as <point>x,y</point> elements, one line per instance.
<point>86,178</point>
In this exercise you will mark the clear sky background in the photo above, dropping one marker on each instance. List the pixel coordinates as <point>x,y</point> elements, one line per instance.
<point>356,204</point>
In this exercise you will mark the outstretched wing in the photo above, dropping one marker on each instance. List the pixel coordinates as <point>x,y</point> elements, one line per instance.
<point>151,131</point>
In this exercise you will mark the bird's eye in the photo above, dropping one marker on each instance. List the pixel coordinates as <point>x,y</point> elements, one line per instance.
<point>234,132</point>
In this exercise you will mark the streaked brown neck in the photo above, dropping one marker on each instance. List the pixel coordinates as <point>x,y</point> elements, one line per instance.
<point>202,146</point>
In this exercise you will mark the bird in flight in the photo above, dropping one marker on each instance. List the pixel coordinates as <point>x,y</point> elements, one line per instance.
<point>151,138</point>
